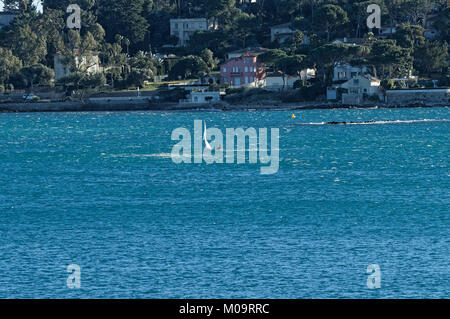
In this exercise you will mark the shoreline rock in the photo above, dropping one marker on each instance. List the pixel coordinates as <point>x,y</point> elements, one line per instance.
<point>132,106</point>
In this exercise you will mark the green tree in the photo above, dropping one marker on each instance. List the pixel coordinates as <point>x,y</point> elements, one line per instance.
<point>9,65</point>
<point>216,41</point>
<point>88,44</point>
<point>37,74</point>
<point>272,56</point>
<point>386,53</point>
<point>63,4</point>
<point>142,69</point>
<point>431,57</point>
<point>300,23</point>
<point>245,27</point>
<point>442,24</point>
<point>30,46</point>
<point>324,57</point>
<point>208,56</point>
<point>51,25</point>
<point>214,8</point>
<point>188,67</point>
<point>92,81</point>
<point>331,17</point>
<point>298,37</point>
<point>409,36</point>
<point>126,18</point>
<point>27,45</point>
<point>82,82</point>
<point>290,65</point>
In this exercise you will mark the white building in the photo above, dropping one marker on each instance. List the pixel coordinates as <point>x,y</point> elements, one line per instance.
<point>283,32</point>
<point>183,29</point>
<point>276,81</point>
<point>89,63</point>
<point>362,84</point>
<point>202,97</point>
<point>355,89</point>
<point>345,71</point>
<point>307,74</point>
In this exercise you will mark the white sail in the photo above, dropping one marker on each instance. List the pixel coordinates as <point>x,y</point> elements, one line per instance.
<point>208,146</point>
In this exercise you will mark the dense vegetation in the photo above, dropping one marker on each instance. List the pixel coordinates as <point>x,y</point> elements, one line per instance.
<point>127,33</point>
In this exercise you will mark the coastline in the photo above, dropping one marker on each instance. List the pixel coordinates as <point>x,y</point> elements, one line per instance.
<point>139,106</point>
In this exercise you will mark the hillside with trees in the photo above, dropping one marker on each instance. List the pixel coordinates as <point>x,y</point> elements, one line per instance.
<point>127,34</point>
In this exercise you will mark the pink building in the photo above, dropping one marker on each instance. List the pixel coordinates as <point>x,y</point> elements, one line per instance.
<point>245,70</point>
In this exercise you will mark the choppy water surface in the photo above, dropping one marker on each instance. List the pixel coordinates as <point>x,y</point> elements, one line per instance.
<point>100,190</point>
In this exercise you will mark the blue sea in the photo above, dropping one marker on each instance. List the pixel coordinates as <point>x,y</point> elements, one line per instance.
<point>100,190</point>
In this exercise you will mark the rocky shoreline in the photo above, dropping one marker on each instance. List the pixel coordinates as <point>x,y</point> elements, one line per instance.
<point>133,106</point>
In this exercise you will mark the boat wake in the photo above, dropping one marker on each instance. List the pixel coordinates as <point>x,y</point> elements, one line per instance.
<point>375,122</point>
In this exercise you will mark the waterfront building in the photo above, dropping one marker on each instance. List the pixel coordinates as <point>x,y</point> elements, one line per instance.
<point>202,97</point>
<point>245,70</point>
<point>278,81</point>
<point>355,89</point>
<point>345,71</point>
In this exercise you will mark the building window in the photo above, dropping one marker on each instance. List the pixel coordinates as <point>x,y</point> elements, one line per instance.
<point>246,69</point>
<point>224,70</point>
